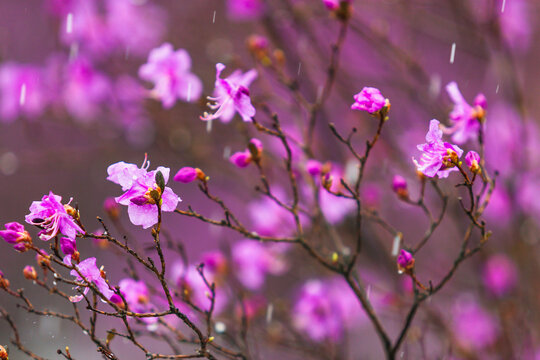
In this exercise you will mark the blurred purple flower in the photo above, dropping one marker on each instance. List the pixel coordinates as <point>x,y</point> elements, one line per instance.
<point>253,261</point>
<point>473,327</point>
<point>231,95</point>
<point>52,217</point>
<point>22,91</point>
<point>85,90</point>
<point>138,184</point>
<point>499,274</point>
<point>437,156</point>
<point>135,27</point>
<point>137,297</point>
<point>91,273</point>
<point>244,9</point>
<point>369,99</point>
<point>515,23</point>
<point>68,246</point>
<point>465,118</point>
<point>170,72</point>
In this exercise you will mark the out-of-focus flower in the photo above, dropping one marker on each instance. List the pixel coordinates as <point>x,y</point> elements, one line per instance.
<point>30,273</point>
<point>86,90</point>
<point>438,157</point>
<point>195,290</point>
<point>91,273</point>
<point>231,95</point>
<point>141,190</point>
<point>314,167</point>
<point>188,174</point>
<point>270,219</point>
<point>472,159</point>
<point>53,218</point>
<point>499,274</point>
<point>473,327</point>
<point>111,208</point>
<point>334,208</point>
<point>515,23</point>
<point>170,72</point>
<point>252,153</point>
<point>22,91</point>
<point>405,261</point>
<point>253,261</point>
<point>399,185</point>
<point>324,308</point>
<point>137,297</point>
<point>369,99</point>
<point>331,4</point>
<point>244,9</point>
<point>466,120</point>
<point>16,234</point>
<point>135,27</point>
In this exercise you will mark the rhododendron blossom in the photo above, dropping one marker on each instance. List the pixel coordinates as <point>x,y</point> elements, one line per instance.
<point>90,273</point>
<point>53,218</point>
<point>139,185</point>
<point>438,157</point>
<point>369,99</point>
<point>231,95</point>
<point>466,119</point>
<point>170,72</point>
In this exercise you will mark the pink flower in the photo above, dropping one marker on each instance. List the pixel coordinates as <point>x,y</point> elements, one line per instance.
<point>53,218</point>
<point>138,185</point>
<point>170,72</point>
<point>137,298</point>
<point>437,156</point>
<point>231,95</point>
<point>465,118</point>
<point>253,261</point>
<point>369,99</point>
<point>16,234</point>
<point>68,246</point>
<point>22,91</point>
<point>399,185</point>
<point>91,273</point>
<point>244,9</point>
<point>500,275</point>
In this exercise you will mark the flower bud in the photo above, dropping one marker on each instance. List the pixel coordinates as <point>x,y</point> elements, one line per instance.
<point>3,353</point>
<point>188,174</point>
<point>314,167</point>
<point>16,234</point>
<point>42,259</point>
<point>112,208</point>
<point>241,159</point>
<point>472,159</point>
<point>4,283</point>
<point>480,101</point>
<point>255,148</point>
<point>30,272</point>
<point>405,261</point>
<point>399,185</point>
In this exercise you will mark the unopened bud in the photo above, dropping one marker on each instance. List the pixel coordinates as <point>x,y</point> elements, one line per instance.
<point>472,159</point>
<point>405,262</point>
<point>399,185</point>
<point>42,259</point>
<point>30,272</point>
